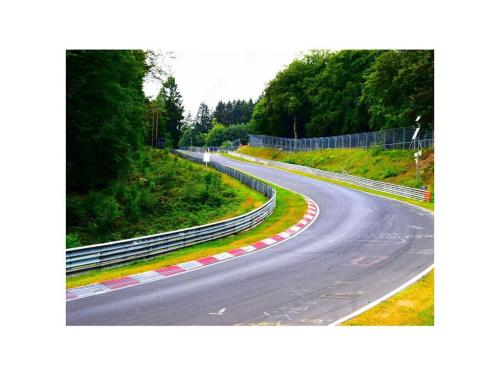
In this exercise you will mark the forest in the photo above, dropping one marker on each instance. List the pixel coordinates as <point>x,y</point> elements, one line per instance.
<point>328,93</point>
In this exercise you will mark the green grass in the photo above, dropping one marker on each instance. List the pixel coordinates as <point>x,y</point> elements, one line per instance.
<point>290,208</point>
<point>426,205</point>
<point>163,192</point>
<point>394,166</point>
<point>413,306</point>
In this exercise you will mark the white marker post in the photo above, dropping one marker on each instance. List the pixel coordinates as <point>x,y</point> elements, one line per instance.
<point>417,156</point>
<point>206,158</point>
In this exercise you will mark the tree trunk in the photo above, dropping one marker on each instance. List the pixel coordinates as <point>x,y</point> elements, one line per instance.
<point>295,126</point>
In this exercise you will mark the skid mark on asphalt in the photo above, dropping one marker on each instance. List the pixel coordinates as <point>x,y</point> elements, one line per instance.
<point>365,261</point>
<point>293,313</point>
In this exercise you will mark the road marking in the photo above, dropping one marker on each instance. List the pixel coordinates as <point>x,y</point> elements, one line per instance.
<point>220,312</point>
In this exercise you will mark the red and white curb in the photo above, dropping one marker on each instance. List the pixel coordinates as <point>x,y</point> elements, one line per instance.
<point>162,273</point>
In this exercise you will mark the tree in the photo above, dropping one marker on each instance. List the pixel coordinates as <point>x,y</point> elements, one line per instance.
<point>192,137</point>
<point>171,109</point>
<point>328,93</point>
<point>217,135</point>
<point>399,87</point>
<point>105,114</point>
<point>187,123</point>
<point>233,112</point>
<point>203,119</point>
<point>335,91</point>
<point>220,112</point>
<point>238,131</point>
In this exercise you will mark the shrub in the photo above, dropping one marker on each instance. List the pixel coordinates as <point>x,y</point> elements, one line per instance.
<point>389,172</point>
<point>72,240</point>
<point>75,211</point>
<point>103,211</point>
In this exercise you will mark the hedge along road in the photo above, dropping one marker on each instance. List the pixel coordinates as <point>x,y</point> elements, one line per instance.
<point>360,248</point>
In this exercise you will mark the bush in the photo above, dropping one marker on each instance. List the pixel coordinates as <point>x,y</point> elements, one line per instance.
<point>75,211</point>
<point>389,172</point>
<point>103,211</point>
<point>72,240</point>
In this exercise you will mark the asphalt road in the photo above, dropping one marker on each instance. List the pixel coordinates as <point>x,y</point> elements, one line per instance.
<point>360,248</point>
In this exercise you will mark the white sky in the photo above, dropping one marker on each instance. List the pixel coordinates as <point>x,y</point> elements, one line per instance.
<point>211,76</point>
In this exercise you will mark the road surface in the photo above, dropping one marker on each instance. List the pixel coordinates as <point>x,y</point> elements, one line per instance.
<point>360,248</point>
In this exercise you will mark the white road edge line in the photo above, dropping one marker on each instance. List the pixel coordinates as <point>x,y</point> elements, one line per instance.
<point>382,299</point>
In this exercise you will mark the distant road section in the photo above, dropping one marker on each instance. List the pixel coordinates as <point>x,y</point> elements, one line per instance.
<point>360,248</point>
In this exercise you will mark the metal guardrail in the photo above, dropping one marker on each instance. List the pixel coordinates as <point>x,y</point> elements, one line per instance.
<point>403,191</point>
<point>208,149</point>
<point>100,255</point>
<point>389,139</point>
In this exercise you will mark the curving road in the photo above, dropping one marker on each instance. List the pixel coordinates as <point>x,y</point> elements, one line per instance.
<point>360,248</point>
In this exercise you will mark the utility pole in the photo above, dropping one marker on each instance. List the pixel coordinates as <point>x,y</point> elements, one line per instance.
<point>157,119</point>
<point>152,126</point>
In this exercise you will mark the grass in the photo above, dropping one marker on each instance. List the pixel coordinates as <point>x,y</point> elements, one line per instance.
<point>426,205</point>
<point>394,166</point>
<point>290,208</point>
<point>413,306</point>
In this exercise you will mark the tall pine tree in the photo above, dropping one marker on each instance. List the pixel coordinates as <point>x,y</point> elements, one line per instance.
<point>171,110</point>
<point>203,121</point>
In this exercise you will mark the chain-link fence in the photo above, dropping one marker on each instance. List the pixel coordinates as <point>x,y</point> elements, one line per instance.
<point>390,139</point>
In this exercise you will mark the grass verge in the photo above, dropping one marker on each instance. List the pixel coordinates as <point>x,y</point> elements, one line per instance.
<point>290,208</point>
<point>413,306</point>
<point>376,163</point>
<point>426,205</point>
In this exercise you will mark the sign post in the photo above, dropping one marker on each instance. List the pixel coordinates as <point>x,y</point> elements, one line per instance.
<point>206,158</point>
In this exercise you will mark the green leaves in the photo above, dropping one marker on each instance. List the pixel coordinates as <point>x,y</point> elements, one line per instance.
<point>399,87</point>
<point>104,114</point>
<point>331,93</point>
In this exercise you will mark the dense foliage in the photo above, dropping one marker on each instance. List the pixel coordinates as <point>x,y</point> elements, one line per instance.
<point>104,114</point>
<point>329,93</point>
<point>234,112</point>
<point>162,192</point>
<point>219,134</point>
